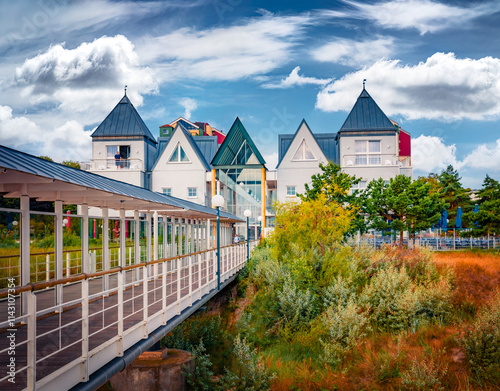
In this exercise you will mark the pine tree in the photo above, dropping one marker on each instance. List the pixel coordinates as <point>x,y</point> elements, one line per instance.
<point>453,193</point>
<point>487,218</point>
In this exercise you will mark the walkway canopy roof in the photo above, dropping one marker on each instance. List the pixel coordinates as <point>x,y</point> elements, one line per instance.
<point>23,174</point>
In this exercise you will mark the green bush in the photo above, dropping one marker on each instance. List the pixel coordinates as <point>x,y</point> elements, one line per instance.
<point>482,342</point>
<point>339,293</point>
<point>346,326</point>
<point>295,308</point>
<point>202,377</point>
<point>248,372</point>
<point>422,376</point>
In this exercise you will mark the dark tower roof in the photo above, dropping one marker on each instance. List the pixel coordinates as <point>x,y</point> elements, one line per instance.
<point>366,115</point>
<point>123,121</point>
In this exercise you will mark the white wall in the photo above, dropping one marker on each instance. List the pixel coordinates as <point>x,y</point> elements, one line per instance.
<point>180,176</point>
<point>298,173</point>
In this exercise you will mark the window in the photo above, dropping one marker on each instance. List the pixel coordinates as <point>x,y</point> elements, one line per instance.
<point>303,152</point>
<point>118,156</point>
<point>179,156</point>
<point>192,192</point>
<point>368,152</point>
<point>290,191</point>
<point>167,190</point>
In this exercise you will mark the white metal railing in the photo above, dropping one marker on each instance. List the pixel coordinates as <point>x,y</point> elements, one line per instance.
<point>437,240</point>
<point>64,343</point>
<point>112,164</point>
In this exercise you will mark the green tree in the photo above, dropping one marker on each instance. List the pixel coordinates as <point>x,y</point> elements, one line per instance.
<point>316,223</point>
<point>46,158</point>
<point>453,193</point>
<point>402,205</point>
<point>488,217</point>
<point>336,186</point>
<point>71,163</point>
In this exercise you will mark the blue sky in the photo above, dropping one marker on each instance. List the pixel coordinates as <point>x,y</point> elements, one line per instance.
<point>432,66</point>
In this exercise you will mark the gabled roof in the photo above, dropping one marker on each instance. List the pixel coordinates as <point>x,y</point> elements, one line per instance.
<point>366,115</point>
<point>186,123</point>
<point>204,147</point>
<point>235,138</point>
<point>326,142</point>
<point>123,121</point>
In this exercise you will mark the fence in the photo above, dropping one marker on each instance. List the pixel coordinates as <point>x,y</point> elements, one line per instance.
<point>102,314</point>
<point>437,240</point>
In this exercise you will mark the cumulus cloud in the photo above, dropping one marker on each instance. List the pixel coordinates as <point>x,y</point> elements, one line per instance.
<point>484,156</point>
<point>430,153</point>
<point>67,142</point>
<point>422,15</point>
<point>87,77</point>
<point>443,87</point>
<point>294,79</point>
<point>189,105</point>
<point>354,53</point>
<point>271,160</point>
<point>251,48</point>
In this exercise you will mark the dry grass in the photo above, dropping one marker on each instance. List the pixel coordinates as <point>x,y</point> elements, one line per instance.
<point>477,275</point>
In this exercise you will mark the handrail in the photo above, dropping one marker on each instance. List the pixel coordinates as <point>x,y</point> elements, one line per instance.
<point>85,276</point>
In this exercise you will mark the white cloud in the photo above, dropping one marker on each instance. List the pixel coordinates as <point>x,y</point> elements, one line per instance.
<point>430,153</point>
<point>87,78</point>
<point>189,105</point>
<point>252,48</point>
<point>485,157</point>
<point>423,15</point>
<point>355,53</point>
<point>443,87</point>
<point>66,142</point>
<point>294,79</point>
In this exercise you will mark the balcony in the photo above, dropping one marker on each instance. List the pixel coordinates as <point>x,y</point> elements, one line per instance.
<point>113,165</point>
<point>370,160</point>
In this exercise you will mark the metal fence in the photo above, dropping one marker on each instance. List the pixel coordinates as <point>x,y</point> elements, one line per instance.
<point>437,240</point>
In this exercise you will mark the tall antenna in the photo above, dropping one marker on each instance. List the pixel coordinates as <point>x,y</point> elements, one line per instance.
<point>125,90</point>
<point>364,81</point>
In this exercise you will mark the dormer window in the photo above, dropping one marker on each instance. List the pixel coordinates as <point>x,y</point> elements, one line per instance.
<point>303,152</point>
<point>179,156</point>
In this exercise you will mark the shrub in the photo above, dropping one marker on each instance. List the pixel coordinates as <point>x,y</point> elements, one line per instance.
<point>482,342</point>
<point>248,372</point>
<point>202,377</point>
<point>264,270</point>
<point>422,376</point>
<point>295,307</point>
<point>346,325</point>
<point>339,293</point>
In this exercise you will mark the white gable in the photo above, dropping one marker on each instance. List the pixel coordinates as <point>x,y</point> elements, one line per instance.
<point>303,151</point>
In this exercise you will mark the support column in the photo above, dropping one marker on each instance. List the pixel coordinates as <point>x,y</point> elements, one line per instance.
<point>213,184</point>
<point>165,237</point>
<point>105,245</point>
<point>172,238</point>
<point>208,229</point>
<point>137,244</point>
<point>85,238</point>
<point>155,242</point>
<point>123,251</point>
<point>263,196</point>
<point>58,256</point>
<point>25,248</point>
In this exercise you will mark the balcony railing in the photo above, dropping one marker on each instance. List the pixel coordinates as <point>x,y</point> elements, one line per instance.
<point>113,165</point>
<point>374,160</point>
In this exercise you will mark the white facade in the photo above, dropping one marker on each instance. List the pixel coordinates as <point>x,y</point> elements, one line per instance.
<point>299,164</point>
<point>182,179</point>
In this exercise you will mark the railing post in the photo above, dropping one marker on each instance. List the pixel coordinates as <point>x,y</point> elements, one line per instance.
<point>190,260</point>
<point>178,262</point>
<point>120,287</point>
<point>164,289</point>
<point>30,299</point>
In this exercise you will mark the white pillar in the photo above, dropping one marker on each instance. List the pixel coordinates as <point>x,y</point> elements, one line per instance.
<point>58,256</point>
<point>25,248</point>
<point>208,234</point>
<point>123,253</point>
<point>105,245</point>
<point>172,238</point>
<point>85,238</point>
<point>155,235</point>
<point>165,237</point>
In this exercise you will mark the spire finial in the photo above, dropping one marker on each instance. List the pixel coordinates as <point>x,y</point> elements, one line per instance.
<point>364,81</point>
<point>125,90</point>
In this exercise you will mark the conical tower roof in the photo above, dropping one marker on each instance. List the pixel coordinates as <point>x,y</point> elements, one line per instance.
<point>366,115</point>
<point>123,121</point>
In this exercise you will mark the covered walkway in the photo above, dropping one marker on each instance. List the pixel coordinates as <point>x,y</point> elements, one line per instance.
<point>74,315</point>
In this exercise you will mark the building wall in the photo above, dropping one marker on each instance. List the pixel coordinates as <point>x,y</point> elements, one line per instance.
<point>180,176</point>
<point>297,173</point>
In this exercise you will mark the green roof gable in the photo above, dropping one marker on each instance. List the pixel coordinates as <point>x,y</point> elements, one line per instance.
<point>238,149</point>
